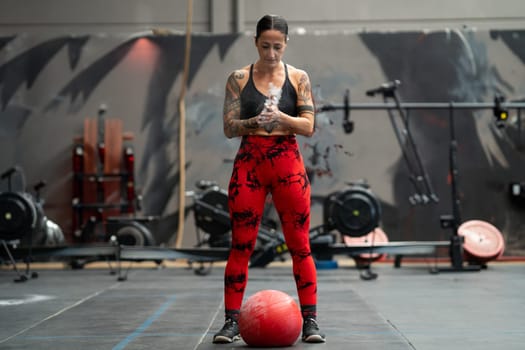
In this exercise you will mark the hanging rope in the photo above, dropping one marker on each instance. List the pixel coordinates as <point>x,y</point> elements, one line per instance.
<point>182,128</point>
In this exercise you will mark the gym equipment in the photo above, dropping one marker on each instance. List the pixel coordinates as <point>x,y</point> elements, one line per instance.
<point>104,182</point>
<point>103,177</point>
<point>377,236</point>
<point>131,231</point>
<point>23,221</point>
<point>18,215</point>
<point>211,216</point>
<point>482,242</point>
<point>364,261</point>
<point>270,318</point>
<point>453,220</point>
<point>353,211</point>
<point>424,192</point>
<point>18,212</point>
<point>47,232</point>
<point>128,237</point>
<point>212,221</point>
<point>500,113</point>
<point>105,201</point>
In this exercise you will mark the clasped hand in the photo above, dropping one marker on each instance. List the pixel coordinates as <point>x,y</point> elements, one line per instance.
<point>269,118</point>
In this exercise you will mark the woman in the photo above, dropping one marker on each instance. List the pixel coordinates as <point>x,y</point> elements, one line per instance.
<point>269,161</point>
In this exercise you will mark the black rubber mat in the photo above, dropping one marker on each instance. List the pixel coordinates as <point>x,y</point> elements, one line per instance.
<point>173,308</point>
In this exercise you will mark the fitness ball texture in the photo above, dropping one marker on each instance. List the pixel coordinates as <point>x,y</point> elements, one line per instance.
<point>270,318</point>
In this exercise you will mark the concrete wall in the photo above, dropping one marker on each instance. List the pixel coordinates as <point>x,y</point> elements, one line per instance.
<point>226,16</point>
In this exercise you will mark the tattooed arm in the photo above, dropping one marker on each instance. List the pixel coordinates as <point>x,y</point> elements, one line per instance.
<point>305,105</point>
<point>232,123</point>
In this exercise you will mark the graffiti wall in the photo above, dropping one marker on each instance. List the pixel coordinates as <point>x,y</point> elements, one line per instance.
<point>50,85</point>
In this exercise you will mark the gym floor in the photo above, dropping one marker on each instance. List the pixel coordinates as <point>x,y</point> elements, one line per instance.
<point>171,307</point>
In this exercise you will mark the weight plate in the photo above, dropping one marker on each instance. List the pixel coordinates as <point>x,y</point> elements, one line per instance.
<point>377,236</point>
<point>482,240</point>
<point>353,212</point>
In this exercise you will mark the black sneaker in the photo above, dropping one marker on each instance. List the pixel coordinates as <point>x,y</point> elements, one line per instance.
<point>311,333</point>
<point>228,333</point>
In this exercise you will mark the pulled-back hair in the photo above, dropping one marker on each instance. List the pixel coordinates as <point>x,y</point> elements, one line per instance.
<point>271,22</point>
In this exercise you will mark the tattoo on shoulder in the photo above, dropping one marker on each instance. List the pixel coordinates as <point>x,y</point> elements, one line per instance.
<point>233,92</point>
<point>304,89</point>
<point>238,74</point>
<point>233,84</point>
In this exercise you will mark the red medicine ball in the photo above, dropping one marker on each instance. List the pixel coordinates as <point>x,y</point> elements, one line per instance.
<point>270,318</point>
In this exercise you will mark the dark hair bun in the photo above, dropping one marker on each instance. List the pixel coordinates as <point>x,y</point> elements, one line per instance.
<point>268,22</point>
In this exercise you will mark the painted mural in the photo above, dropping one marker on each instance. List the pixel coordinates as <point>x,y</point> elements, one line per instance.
<point>50,85</point>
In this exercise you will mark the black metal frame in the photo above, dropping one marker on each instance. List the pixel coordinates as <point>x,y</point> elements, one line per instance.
<point>388,90</point>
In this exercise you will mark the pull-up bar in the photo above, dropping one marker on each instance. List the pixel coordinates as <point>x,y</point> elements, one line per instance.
<point>421,105</point>
<point>424,193</point>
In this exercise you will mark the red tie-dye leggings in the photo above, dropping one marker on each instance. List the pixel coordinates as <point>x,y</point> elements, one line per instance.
<point>269,164</point>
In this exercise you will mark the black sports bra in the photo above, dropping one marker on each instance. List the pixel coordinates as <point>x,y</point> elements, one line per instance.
<point>252,100</point>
